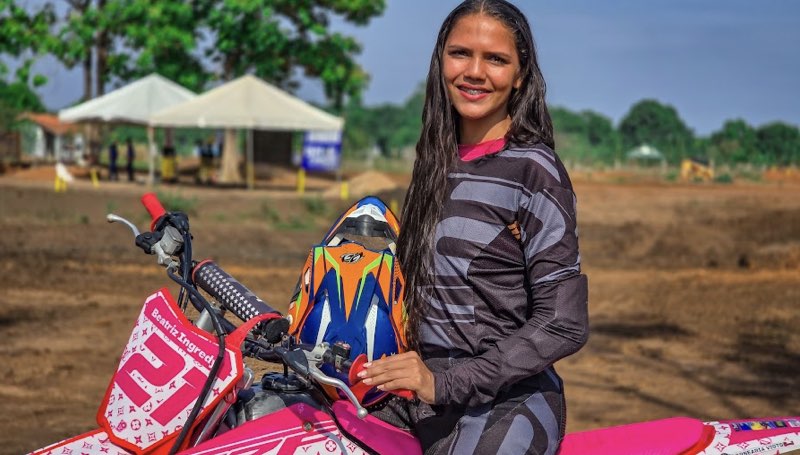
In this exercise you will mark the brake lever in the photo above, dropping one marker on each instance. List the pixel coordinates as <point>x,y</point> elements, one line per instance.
<point>113,218</point>
<point>317,374</point>
<point>305,364</point>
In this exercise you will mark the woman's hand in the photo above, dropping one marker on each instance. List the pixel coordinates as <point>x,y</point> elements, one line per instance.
<point>401,371</point>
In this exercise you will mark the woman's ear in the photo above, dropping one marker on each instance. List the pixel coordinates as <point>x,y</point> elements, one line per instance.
<point>518,80</point>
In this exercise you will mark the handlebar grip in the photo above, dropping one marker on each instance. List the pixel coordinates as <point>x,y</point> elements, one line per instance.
<point>239,300</point>
<point>154,208</point>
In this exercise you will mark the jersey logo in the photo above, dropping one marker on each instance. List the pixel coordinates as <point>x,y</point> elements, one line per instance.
<point>352,257</point>
<point>514,228</point>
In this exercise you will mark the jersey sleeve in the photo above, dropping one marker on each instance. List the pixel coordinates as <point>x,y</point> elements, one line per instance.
<point>557,320</point>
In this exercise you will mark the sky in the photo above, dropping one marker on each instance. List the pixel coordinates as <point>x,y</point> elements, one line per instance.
<point>712,60</point>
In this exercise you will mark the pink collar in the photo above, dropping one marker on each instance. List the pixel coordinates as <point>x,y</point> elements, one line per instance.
<point>469,152</point>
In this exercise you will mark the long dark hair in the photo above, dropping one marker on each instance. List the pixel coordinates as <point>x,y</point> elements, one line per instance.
<point>438,144</point>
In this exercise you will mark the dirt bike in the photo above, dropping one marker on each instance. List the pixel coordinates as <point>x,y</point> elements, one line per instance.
<point>181,386</point>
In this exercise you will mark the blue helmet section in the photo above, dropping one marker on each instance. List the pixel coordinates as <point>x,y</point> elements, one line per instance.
<point>367,330</point>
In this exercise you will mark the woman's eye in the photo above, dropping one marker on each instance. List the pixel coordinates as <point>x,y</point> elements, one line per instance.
<point>458,53</point>
<point>497,59</point>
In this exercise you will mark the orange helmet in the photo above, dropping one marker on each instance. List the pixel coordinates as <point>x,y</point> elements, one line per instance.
<point>351,290</point>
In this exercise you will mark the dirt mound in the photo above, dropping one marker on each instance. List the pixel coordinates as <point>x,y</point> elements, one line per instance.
<point>706,229</point>
<point>370,182</point>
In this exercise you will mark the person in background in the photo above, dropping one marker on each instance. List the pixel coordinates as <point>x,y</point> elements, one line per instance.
<point>206,161</point>
<point>131,154</point>
<point>489,249</point>
<point>198,152</point>
<point>113,155</point>
<point>169,164</point>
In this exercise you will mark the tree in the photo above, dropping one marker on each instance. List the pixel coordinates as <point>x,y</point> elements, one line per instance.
<point>390,127</point>
<point>406,133</point>
<point>16,98</point>
<point>602,136</point>
<point>566,121</point>
<point>128,39</point>
<point>736,142</point>
<point>22,35</point>
<point>274,38</point>
<point>161,37</point>
<point>270,38</point>
<point>659,125</point>
<point>585,136</point>
<point>778,143</point>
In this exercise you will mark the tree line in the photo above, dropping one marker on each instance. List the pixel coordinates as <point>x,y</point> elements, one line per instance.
<point>591,138</point>
<point>192,43</point>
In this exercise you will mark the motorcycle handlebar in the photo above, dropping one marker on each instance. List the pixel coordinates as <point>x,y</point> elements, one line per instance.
<point>239,300</point>
<point>154,208</point>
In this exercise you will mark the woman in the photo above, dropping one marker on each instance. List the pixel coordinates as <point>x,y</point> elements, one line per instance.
<point>489,249</point>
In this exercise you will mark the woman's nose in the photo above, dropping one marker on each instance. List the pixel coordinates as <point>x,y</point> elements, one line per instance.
<point>474,70</point>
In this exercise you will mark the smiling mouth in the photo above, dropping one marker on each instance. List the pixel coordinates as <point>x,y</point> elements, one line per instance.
<point>473,91</point>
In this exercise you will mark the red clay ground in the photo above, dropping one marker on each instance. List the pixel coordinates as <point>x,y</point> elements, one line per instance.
<point>694,294</point>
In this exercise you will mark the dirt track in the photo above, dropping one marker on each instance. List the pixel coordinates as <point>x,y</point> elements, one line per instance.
<point>693,293</point>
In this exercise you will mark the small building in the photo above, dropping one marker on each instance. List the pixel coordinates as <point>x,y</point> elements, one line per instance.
<point>45,137</point>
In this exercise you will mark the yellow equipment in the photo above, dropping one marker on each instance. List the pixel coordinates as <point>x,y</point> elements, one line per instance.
<point>693,169</point>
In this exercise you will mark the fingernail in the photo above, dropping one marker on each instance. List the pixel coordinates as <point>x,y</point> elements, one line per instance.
<point>368,364</point>
<point>361,374</point>
<point>368,381</point>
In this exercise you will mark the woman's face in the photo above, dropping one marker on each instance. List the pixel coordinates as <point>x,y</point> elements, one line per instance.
<point>480,66</point>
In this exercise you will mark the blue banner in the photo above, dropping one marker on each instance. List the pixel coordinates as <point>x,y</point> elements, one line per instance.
<point>322,150</point>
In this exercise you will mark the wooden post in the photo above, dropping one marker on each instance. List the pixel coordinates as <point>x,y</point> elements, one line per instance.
<point>230,159</point>
<point>250,166</point>
<point>301,181</point>
<point>151,159</point>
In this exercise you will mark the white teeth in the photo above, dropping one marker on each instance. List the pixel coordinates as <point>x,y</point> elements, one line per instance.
<point>473,92</point>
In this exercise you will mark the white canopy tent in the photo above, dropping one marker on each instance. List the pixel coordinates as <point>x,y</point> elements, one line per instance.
<point>645,152</point>
<point>248,103</point>
<point>134,103</point>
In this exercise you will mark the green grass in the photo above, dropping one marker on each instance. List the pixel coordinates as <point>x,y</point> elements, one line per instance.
<point>316,206</point>
<point>672,175</point>
<point>176,202</point>
<point>752,176</point>
<point>111,207</point>
<point>269,213</point>
<point>295,223</point>
<point>724,178</point>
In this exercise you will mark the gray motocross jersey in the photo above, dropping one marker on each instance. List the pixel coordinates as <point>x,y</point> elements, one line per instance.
<point>507,297</point>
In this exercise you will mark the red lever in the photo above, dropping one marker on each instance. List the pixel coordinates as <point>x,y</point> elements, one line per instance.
<point>154,208</point>
<point>358,365</point>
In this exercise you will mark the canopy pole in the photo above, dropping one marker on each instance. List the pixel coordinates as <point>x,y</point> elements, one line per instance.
<point>151,165</point>
<point>251,172</point>
<point>231,159</point>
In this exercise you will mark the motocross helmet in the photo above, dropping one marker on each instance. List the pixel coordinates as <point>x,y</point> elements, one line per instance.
<point>351,291</point>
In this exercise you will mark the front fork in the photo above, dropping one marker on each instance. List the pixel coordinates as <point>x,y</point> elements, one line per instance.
<point>213,422</point>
